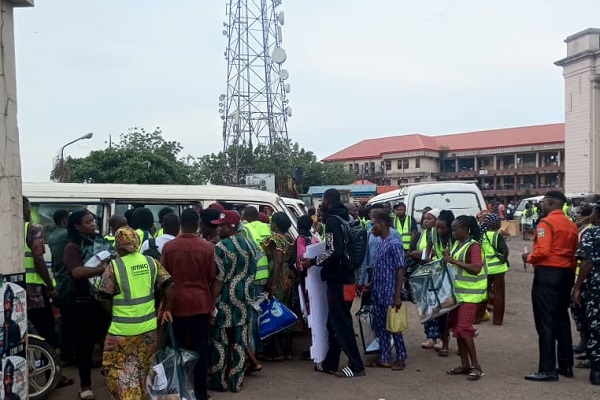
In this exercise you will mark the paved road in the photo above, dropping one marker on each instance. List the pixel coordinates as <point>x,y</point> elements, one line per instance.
<point>506,354</point>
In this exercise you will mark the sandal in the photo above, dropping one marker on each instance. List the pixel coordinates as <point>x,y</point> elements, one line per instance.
<point>443,353</point>
<point>475,374</point>
<point>398,366</point>
<point>347,372</point>
<point>377,364</point>
<point>438,345</point>
<point>585,364</point>
<point>320,368</point>
<point>429,344</point>
<point>458,371</point>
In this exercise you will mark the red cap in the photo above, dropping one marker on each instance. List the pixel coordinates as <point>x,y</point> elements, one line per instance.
<point>228,217</point>
<point>264,218</point>
<point>217,206</point>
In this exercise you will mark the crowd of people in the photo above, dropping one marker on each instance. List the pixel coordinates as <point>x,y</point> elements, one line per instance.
<point>202,271</point>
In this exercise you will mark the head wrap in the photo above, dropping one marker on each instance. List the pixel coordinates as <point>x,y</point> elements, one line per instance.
<point>489,220</point>
<point>435,212</point>
<point>127,239</point>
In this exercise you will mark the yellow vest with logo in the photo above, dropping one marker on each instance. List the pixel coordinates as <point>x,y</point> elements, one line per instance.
<point>258,231</point>
<point>489,244</point>
<point>31,276</point>
<point>404,230</point>
<point>133,309</point>
<point>467,287</point>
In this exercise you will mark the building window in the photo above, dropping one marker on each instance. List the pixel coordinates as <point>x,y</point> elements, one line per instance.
<point>417,162</point>
<point>403,163</point>
<point>417,180</point>
<point>350,168</point>
<point>372,168</point>
<point>388,165</point>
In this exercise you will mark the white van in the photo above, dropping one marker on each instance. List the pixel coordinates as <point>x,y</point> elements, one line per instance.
<point>105,200</point>
<point>521,206</point>
<point>460,197</point>
<point>296,207</point>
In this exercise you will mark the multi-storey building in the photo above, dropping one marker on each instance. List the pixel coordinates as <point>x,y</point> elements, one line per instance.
<point>506,163</point>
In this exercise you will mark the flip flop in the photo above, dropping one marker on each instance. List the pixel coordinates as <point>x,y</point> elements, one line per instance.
<point>398,366</point>
<point>346,373</point>
<point>377,364</point>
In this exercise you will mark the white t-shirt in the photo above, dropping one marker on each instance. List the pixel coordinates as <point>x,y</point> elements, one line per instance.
<point>160,242</point>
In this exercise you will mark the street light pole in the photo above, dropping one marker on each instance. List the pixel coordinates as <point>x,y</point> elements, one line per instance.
<point>62,152</point>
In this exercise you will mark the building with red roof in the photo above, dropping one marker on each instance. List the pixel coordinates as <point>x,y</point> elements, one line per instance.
<point>507,163</point>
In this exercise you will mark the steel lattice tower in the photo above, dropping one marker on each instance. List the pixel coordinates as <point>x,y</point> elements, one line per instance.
<point>255,108</point>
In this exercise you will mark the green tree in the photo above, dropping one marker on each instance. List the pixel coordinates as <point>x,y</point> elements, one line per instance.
<point>139,157</point>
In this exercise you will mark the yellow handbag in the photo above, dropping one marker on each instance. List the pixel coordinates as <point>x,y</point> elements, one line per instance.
<point>397,320</point>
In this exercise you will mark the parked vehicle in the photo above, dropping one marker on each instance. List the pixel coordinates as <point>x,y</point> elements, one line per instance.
<point>44,368</point>
<point>460,197</point>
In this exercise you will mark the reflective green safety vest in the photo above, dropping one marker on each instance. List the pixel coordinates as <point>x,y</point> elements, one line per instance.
<point>404,230</point>
<point>422,245</point>
<point>31,276</point>
<point>110,239</point>
<point>438,246</point>
<point>567,211</point>
<point>133,310</point>
<point>468,288</point>
<point>160,232</point>
<point>143,235</point>
<point>259,231</point>
<point>489,246</point>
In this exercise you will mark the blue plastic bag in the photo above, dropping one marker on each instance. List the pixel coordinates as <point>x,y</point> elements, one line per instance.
<point>274,317</point>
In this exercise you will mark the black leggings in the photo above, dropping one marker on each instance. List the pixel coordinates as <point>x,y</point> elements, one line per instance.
<point>90,324</point>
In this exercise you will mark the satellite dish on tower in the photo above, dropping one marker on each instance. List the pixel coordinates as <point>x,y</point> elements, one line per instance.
<point>279,55</point>
<point>284,74</point>
<point>222,97</point>
<point>281,18</point>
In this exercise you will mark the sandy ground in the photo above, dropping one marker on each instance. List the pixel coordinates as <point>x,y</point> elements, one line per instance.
<point>506,353</point>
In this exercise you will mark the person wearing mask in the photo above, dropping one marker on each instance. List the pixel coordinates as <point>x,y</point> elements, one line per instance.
<point>170,229</point>
<point>208,231</point>
<point>161,216</point>
<point>115,223</point>
<point>143,223</point>
<point>406,225</point>
<point>190,260</point>
<point>235,258</point>
<point>130,282</point>
<point>553,258</point>
<point>279,249</point>
<point>495,251</point>
<point>419,248</point>
<point>90,319</point>
<point>38,284</point>
<point>470,285</point>
<point>57,241</point>
<point>388,281</point>
<point>588,297</point>
<point>337,272</point>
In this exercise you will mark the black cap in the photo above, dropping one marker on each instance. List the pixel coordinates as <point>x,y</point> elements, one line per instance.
<point>556,195</point>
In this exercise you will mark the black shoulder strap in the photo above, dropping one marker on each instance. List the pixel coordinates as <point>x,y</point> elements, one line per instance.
<point>152,243</point>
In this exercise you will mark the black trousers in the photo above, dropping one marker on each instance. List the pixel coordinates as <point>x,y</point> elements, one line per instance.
<point>90,324</point>
<point>341,331</point>
<point>550,296</point>
<point>43,321</point>
<point>192,333</point>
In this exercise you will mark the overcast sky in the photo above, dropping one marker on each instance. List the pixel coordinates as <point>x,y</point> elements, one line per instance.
<point>358,69</point>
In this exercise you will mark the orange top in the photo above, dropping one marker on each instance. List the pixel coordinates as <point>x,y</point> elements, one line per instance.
<point>555,242</point>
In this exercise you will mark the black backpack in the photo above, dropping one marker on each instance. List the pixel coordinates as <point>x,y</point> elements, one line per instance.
<point>356,242</point>
<point>152,250</point>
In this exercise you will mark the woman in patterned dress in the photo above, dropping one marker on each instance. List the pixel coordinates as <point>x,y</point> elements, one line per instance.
<point>235,259</point>
<point>279,248</point>
<point>127,360</point>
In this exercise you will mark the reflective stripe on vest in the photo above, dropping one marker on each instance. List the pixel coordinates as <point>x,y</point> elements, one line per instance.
<point>258,231</point>
<point>404,230</point>
<point>468,288</point>
<point>133,308</point>
<point>422,241</point>
<point>438,246</point>
<point>31,275</point>
<point>489,246</point>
